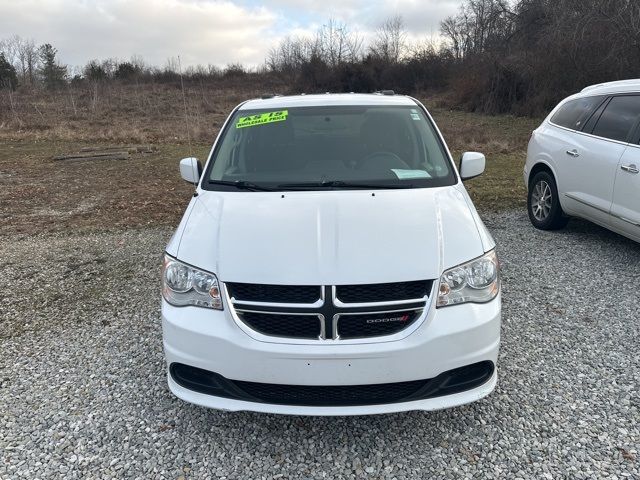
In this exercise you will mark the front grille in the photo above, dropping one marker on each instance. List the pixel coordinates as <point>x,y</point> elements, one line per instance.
<point>447,383</point>
<point>255,292</point>
<point>282,324</point>
<point>328,312</point>
<point>375,324</point>
<point>383,292</point>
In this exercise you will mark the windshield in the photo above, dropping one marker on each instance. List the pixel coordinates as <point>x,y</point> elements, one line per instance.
<point>329,147</point>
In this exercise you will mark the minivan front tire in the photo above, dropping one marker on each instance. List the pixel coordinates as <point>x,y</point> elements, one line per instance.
<point>543,203</point>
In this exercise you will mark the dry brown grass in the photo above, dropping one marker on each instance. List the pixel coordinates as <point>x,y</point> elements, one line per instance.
<point>113,112</point>
<point>38,194</point>
<point>503,139</point>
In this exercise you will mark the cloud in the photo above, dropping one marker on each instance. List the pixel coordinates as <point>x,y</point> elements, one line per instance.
<point>421,17</point>
<point>200,31</point>
<point>217,32</point>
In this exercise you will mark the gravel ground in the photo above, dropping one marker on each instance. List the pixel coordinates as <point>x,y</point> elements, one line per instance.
<point>83,391</point>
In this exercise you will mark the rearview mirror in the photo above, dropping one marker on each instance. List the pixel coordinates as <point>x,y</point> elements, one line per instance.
<point>471,165</point>
<point>190,170</point>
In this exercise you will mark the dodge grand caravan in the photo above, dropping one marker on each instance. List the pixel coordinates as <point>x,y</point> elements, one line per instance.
<point>331,262</point>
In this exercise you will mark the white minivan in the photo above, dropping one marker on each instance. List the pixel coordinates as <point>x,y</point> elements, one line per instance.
<point>584,160</point>
<point>331,262</point>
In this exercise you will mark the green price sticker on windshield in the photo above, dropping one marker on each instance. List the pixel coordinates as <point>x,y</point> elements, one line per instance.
<point>262,119</point>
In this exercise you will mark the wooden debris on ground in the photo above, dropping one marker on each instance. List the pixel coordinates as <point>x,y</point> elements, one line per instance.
<point>115,152</point>
<point>129,148</point>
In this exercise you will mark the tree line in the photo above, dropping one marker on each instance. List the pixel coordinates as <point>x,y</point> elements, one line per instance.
<point>524,56</point>
<point>493,56</point>
<point>22,62</point>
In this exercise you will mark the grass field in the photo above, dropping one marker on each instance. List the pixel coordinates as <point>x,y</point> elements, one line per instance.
<point>39,194</point>
<point>503,139</point>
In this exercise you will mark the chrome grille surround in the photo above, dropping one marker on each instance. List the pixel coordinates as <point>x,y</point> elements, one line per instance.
<point>329,309</point>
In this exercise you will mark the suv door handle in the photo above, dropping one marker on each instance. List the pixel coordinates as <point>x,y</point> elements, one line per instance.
<point>630,168</point>
<point>573,153</point>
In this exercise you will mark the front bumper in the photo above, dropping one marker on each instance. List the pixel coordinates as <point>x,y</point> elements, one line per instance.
<point>446,339</point>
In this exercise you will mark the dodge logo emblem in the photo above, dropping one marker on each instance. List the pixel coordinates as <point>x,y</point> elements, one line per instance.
<point>402,318</point>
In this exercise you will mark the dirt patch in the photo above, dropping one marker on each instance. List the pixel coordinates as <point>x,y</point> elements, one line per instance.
<point>39,194</point>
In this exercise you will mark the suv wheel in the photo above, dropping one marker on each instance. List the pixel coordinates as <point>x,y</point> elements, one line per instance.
<point>543,203</point>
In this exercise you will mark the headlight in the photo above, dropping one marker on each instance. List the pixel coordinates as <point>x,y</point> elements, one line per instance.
<point>477,281</point>
<point>183,285</point>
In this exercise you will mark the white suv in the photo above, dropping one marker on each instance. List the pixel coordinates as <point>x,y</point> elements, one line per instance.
<point>331,262</point>
<point>584,160</point>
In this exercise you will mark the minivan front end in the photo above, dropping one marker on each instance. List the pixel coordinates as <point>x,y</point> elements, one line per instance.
<point>316,288</point>
<point>265,351</point>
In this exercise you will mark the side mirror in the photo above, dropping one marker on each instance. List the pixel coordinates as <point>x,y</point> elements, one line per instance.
<point>190,170</point>
<point>471,165</point>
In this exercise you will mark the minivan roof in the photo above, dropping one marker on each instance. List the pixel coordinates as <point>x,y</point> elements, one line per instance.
<point>620,86</point>
<point>327,99</point>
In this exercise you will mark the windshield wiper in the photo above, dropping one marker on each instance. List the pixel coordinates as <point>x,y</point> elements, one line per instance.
<point>343,184</point>
<point>241,185</point>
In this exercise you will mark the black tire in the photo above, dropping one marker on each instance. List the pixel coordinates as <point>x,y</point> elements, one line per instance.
<point>543,203</point>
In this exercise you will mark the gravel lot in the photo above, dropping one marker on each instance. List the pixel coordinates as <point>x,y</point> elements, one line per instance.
<point>83,391</point>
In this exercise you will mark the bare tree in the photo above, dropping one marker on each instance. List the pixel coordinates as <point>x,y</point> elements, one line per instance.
<point>480,25</point>
<point>23,55</point>
<point>452,30</point>
<point>289,55</point>
<point>337,44</point>
<point>8,46</point>
<point>29,61</point>
<point>333,44</point>
<point>425,49</point>
<point>390,38</point>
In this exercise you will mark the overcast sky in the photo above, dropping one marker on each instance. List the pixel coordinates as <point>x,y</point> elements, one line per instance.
<point>199,31</point>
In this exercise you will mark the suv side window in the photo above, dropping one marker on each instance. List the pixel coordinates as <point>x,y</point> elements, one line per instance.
<point>618,118</point>
<point>575,113</point>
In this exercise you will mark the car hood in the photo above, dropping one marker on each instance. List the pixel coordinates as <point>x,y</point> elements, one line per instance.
<point>329,237</point>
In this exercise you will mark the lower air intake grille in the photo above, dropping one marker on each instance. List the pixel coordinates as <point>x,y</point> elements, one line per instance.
<point>331,395</point>
<point>447,383</point>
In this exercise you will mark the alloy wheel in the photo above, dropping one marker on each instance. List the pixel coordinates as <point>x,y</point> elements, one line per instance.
<point>541,201</point>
